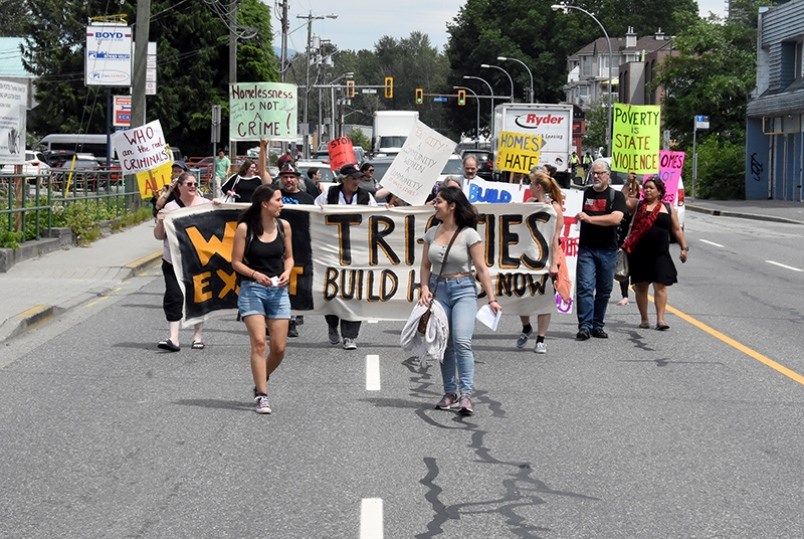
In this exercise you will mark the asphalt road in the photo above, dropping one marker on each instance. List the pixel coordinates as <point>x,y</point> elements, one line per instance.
<point>647,434</point>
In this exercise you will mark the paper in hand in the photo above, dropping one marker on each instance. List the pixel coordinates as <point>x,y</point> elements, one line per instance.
<point>488,317</point>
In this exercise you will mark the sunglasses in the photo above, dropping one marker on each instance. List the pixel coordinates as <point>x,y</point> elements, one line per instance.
<point>371,170</point>
<point>190,184</point>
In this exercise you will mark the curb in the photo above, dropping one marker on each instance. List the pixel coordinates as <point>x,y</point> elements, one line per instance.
<point>742,215</point>
<point>40,314</point>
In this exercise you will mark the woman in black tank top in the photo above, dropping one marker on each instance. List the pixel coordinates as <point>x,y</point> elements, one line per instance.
<point>263,257</point>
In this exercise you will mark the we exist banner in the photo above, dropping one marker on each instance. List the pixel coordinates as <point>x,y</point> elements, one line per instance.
<point>361,262</point>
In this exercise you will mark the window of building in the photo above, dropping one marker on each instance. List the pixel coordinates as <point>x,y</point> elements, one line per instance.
<point>586,66</point>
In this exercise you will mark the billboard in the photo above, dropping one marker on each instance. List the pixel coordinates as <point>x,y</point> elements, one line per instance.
<point>108,55</point>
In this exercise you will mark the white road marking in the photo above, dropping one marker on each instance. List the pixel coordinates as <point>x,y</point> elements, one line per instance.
<point>785,266</point>
<point>372,321</point>
<point>371,526</point>
<point>372,372</point>
<point>712,243</point>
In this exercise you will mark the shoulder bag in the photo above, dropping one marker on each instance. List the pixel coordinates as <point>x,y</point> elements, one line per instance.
<point>621,271</point>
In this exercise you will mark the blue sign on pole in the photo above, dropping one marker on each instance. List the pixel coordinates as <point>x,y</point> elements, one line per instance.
<point>440,99</point>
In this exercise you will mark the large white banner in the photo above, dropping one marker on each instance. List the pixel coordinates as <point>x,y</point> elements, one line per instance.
<point>13,108</point>
<point>362,262</point>
<point>420,161</point>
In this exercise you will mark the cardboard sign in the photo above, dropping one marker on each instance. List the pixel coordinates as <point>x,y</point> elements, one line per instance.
<point>670,167</point>
<point>341,153</point>
<point>142,148</point>
<point>414,171</point>
<point>636,141</point>
<point>518,152</point>
<point>153,181</point>
<point>260,110</point>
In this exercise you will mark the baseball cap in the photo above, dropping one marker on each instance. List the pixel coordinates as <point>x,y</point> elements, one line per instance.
<point>181,164</point>
<point>352,172</point>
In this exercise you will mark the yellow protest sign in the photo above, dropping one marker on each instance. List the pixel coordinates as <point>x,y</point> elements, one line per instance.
<point>518,152</point>
<point>152,181</point>
<point>636,141</point>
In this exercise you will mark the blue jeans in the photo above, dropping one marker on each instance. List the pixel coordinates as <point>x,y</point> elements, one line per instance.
<point>594,272</point>
<point>459,299</point>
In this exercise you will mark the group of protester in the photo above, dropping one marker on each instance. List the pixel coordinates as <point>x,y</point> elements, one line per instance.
<point>451,263</point>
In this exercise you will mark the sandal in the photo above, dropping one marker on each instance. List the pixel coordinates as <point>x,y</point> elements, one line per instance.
<point>662,327</point>
<point>168,345</point>
<point>198,345</point>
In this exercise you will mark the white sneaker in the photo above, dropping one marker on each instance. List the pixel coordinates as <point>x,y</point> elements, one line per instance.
<point>349,344</point>
<point>261,405</point>
<point>540,348</point>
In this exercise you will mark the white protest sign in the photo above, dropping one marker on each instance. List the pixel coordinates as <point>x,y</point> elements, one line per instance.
<point>13,103</point>
<point>142,148</point>
<point>479,190</point>
<point>263,110</point>
<point>420,161</point>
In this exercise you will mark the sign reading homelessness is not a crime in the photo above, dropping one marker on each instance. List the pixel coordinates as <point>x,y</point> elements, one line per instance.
<point>362,262</point>
<point>263,110</point>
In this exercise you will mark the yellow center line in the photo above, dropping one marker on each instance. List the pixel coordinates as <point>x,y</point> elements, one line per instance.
<point>793,375</point>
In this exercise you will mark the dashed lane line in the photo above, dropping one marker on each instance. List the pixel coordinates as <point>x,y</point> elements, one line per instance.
<point>785,266</point>
<point>371,518</point>
<point>372,372</point>
<point>711,243</point>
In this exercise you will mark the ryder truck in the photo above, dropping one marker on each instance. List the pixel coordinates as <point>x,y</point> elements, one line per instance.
<point>552,122</point>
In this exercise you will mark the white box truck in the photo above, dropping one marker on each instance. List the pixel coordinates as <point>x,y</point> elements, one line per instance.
<point>391,130</point>
<point>552,122</point>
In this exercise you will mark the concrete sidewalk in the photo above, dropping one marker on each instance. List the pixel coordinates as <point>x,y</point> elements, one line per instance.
<point>40,288</point>
<point>37,289</point>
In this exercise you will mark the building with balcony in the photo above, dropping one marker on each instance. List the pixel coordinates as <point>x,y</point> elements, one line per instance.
<point>775,115</point>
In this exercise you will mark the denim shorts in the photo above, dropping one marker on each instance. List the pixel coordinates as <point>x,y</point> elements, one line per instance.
<point>268,301</point>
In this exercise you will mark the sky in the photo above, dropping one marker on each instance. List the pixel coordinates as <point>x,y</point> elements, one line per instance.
<point>360,24</point>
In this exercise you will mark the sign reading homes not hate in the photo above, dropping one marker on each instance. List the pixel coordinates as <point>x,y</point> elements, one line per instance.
<point>263,110</point>
<point>636,141</point>
<point>142,148</point>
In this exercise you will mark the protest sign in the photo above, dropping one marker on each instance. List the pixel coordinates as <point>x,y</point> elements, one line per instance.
<point>153,181</point>
<point>636,140</point>
<point>479,190</point>
<point>13,109</point>
<point>420,161</point>
<point>263,110</point>
<point>367,259</point>
<point>341,153</point>
<point>142,148</point>
<point>670,166</point>
<point>518,152</point>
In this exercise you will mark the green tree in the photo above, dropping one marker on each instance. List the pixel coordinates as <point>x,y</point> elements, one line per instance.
<point>13,14</point>
<point>596,123</point>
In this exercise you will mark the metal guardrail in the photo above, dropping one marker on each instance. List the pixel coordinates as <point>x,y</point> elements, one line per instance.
<point>35,200</point>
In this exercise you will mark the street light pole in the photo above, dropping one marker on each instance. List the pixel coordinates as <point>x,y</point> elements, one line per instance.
<point>487,66</point>
<point>523,64</point>
<point>309,18</point>
<point>477,102</point>
<point>491,93</point>
<point>565,8</point>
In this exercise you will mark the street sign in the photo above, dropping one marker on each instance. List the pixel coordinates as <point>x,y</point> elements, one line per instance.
<point>702,122</point>
<point>368,90</point>
<point>122,111</point>
<point>440,99</point>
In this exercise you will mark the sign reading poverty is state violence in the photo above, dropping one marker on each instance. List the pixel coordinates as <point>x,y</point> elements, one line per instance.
<point>416,168</point>
<point>142,148</point>
<point>361,262</point>
<point>263,110</point>
<point>636,140</point>
<point>518,152</point>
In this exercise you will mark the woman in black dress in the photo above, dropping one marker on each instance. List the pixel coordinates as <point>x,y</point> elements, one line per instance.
<point>648,248</point>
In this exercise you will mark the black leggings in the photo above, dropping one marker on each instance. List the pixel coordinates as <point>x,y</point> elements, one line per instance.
<point>173,302</point>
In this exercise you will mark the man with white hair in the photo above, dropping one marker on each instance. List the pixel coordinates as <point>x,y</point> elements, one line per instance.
<point>603,209</point>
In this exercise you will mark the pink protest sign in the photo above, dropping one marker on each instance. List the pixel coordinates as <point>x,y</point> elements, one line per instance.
<point>670,167</point>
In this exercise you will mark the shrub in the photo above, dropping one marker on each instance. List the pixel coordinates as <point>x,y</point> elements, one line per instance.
<point>10,239</point>
<point>721,170</point>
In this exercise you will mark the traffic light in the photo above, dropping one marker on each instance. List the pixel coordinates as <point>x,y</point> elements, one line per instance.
<point>461,97</point>
<point>389,87</point>
<point>350,88</point>
<point>419,96</point>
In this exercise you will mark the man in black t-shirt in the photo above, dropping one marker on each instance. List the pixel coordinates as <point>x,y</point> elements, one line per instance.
<point>603,209</point>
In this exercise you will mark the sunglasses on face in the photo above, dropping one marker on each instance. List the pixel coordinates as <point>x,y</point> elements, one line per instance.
<point>190,184</point>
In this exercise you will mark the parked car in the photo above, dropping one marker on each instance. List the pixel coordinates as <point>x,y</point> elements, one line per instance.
<point>453,167</point>
<point>35,166</point>
<point>485,162</point>
<point>304,166</point>
<point>618,180</point>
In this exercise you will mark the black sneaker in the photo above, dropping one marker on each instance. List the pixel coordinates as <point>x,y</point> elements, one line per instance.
<point>292,331</point>
<point>582,335</point>
<point>598,333</point>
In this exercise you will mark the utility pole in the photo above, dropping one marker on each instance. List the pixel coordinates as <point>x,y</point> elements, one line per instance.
<point>284,58</point>
<point>309,18</point>
<point>232,63</point>
<point>140,61</point>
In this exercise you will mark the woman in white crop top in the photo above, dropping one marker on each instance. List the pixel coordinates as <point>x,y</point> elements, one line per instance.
<point>455,290</point>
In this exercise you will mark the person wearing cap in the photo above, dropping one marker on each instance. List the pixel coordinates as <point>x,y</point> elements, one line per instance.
<point>347,193</point>
<point>169,192</point>
<point>241,186</point>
